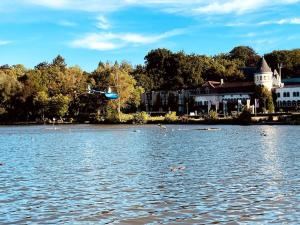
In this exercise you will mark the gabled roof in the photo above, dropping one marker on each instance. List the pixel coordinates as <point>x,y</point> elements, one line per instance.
<point>212,84</point>
<point>263,66</point>
<point>229,87</point>
<point>295,80</point>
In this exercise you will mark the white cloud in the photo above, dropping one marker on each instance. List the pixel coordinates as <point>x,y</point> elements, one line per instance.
<point>103,23</point>
<point>282,21</point>
<point>187,7</point>
<point>239,6</point>
<point>225,7</point>
<point>4,42</point>
<point>264,44</point>
<point>81,5</point>
<point>105,41</point>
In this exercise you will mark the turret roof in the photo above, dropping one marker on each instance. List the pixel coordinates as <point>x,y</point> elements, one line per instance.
<point>263,66</point>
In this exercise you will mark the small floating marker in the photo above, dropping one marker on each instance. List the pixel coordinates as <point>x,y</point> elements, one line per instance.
<point>263,134</point>
<point>177,168</point>
<point>162,126</point>
<point>209,129</point>
<point>136,131</point>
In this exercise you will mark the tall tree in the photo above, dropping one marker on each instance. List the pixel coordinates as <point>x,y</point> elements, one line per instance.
<point>245,54</point>
<point>59,62</point>
<point>290,60</point>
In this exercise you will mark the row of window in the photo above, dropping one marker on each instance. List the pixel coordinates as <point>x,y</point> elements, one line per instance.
<point>287,94</point>
<point>263,78</point>
<point>235,100</point>
<point>288,103</point>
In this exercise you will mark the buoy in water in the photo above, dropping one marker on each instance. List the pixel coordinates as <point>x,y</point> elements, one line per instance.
<point>177,168</point>
<point>162,126</point>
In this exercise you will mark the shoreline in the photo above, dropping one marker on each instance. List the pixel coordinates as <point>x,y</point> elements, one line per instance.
<point>204,122</point>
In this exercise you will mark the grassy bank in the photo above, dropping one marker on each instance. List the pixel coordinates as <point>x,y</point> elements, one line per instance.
<point>172,118</point>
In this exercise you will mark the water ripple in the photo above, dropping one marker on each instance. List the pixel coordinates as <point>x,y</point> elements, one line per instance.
<point>88,174</point>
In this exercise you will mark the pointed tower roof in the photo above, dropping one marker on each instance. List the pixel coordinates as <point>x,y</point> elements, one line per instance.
<point>275,72</point>
<point>263,66</point>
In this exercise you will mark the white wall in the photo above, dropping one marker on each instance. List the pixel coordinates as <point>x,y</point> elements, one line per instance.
<point>264,79</point>
<point>290,90</point>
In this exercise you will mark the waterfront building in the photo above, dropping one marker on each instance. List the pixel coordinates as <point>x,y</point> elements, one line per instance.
<point>288,96</point>
<point>224,97</point>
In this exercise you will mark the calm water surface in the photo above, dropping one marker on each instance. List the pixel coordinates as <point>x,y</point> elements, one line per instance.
<point>125,175</point>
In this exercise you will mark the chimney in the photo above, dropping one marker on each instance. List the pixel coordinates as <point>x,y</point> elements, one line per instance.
<point>222,82</point>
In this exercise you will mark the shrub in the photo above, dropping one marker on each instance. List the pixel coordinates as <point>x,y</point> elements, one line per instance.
<point>140,118</point>
<point>156,119</point>
<point>213,115</point>
<point>245,117</point>
<point>2,111</point>
<point>171,117</point>
<point>113,116</point>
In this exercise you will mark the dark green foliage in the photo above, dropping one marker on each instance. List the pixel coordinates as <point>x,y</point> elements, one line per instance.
<point>290,60</point>
<point>56,90</point>
<point>165,70</point>
<point>245,117</point>
<point>265,98</point>
<point>245,54</point>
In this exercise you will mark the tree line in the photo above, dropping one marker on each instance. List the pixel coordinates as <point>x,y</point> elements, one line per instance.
<point>57,90</point>
<point>166,70</point>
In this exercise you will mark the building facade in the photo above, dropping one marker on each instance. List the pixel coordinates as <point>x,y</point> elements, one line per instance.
<point>223,97</point>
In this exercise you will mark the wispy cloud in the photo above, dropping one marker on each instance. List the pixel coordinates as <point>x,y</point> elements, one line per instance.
<point>81,5</point>
<point>187,7</point>
<point>264,44</point>
<point>239,6</point>
<point>281,21</point>
<point>4,42</point>
<point>225,7</point>
<point>102,23</point>
<point>105,41</point>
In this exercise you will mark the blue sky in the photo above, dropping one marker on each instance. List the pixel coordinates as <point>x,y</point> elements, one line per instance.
<point>88,31</point>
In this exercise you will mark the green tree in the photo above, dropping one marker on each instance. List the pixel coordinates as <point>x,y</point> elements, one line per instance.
<point>9,87</point>
<point>265,98</point>
<point>142,78</point>
<point>155,64</point>
<point>290,59</point>
<point>41,102</point>
<point>59,62</point>
<point>245,54</point>
<point>58,105</point>
<point>119,78</point>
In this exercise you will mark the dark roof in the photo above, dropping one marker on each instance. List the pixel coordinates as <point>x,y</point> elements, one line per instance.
<point>263,66</point>
<point>291,85</point>
<point>230,87</point>
<point>234,87</point>
<point>212,84</point>
<point>295,80</point>
<point>249,72</point>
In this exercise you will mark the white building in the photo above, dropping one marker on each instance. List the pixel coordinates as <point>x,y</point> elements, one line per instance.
<point>225,96</point>
<point>264,75</point>
<point>288,96</point>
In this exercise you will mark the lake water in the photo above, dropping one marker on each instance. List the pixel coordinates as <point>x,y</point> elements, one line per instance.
<point>88,174</point>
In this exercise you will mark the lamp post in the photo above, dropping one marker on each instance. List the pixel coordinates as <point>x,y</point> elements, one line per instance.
<point>119,100</point>
<point>187,108</point>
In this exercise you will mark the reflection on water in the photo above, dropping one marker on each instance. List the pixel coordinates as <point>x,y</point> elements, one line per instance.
<point>139,175</point>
